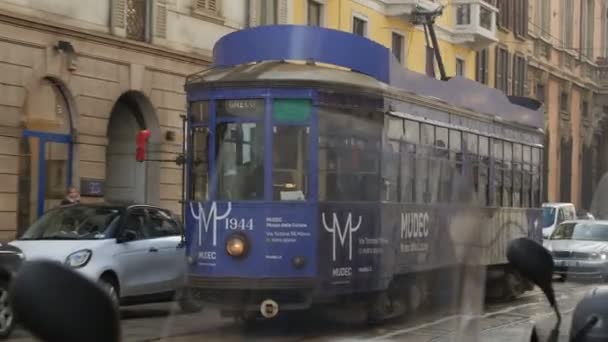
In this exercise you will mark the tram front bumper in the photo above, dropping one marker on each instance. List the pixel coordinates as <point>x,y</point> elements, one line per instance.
<point>246,294</point>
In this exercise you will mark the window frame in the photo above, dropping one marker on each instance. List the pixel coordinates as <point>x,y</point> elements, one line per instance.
<point>401,36</point>
<point>358,16</point>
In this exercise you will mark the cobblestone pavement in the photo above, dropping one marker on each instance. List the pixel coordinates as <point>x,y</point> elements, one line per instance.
<point>501,322</point>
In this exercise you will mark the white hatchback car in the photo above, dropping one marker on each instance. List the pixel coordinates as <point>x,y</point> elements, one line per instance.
<point>135,252</point>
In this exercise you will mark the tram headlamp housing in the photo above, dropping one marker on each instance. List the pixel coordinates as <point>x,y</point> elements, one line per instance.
<point>236,246</point>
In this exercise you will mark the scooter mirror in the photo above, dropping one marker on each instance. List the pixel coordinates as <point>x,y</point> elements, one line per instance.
<point>533,262</point>
<point>55,303</point>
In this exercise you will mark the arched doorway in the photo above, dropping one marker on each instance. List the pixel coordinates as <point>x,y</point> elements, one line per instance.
<point>45,165</point>
<point>126,179</point>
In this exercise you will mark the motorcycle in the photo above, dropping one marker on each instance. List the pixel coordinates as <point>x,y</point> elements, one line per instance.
<point>590,316</point>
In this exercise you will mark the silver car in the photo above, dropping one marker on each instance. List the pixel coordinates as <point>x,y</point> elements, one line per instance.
<point>580,249</point>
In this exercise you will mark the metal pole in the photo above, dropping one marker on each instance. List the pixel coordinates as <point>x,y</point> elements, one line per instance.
<point>430,22</point>
<point>184,150</point>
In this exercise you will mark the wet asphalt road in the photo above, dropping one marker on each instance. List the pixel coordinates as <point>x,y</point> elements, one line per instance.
<point>501,322</point>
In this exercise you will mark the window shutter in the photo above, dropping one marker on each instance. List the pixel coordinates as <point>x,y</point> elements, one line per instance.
<point>117,18</point>
<point>209,6</point>
<point>160,22</point>
<point>254,13</point>
<point>515,75</point>
<point>498,69</point>
<point>507,73</point>
<point>282,12</point>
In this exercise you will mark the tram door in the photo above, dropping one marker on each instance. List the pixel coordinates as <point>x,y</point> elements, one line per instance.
<point>293,157</point>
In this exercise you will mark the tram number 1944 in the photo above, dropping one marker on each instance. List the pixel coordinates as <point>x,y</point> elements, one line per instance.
<point>239,224</point>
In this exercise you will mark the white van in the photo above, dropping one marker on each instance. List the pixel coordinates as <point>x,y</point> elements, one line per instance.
<point>554,214</point>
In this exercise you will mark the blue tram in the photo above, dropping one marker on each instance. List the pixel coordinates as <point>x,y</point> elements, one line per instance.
<point>319,169</point>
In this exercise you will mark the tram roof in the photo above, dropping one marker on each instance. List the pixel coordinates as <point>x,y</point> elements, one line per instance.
<point>258,54</point>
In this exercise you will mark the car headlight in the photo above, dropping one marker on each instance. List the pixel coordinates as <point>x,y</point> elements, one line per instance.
<point>603,256</point>
<point>79,258</point>
<point>236,245</point>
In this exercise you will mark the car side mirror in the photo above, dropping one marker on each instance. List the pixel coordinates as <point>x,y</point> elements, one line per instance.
<point>127,235</point>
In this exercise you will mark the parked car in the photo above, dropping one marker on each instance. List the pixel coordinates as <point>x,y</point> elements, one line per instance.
<point>580,249</point>
<point>135,252</point>
<point>554,214</point>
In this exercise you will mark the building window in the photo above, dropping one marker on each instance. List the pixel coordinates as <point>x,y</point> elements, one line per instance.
<point>481,72</point>
<point>485,18</point>
<point>520,16</point>
<point>315,11</point>
<point>563,102</point>
<point>543,16</point>
<point>137,19</point>
<point>206,6</point>
<point>359,26</point>
<point>504,13</point>
<point>463,14</point>
<point>502,69</point>
<point>430,62</point>
<point>397,46</point>
<point>268,12</point>
<point>519,75</point>
<point>540,92</point>
<point>567,34</point>
<point>459,67</point>
<point>589,21</point>
<point>584,109</point>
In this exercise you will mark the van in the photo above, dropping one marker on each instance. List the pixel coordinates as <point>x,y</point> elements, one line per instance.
<point>554,214</point>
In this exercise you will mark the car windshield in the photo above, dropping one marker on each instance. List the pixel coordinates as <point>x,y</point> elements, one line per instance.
<point>581,231</point>
<point>548,216</point>
<point>78,222</point>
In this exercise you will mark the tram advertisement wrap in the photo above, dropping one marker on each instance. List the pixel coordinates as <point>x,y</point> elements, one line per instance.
<point>276,234</point>
<point>362,246</point>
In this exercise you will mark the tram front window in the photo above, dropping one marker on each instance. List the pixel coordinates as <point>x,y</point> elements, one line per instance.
<point>239,160</point>
<point>290,162</point>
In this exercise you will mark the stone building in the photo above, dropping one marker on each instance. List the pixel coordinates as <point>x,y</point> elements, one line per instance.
<point>78,80</point>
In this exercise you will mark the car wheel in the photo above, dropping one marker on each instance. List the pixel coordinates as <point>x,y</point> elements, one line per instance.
<point>188,302</point>
<point>111,289</point>
<point>7,318</point>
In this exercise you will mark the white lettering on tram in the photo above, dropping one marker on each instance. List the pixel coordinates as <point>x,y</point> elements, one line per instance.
<point>207,219</point>
<point>342,233</point>
<point>414,225</point>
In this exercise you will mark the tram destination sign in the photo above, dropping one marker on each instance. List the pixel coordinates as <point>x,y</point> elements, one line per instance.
<point>241,108</point>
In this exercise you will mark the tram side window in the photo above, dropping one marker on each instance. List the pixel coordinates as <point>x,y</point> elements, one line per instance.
<point>527,176</point>
<point>473,158</point>
<point>240,161</point>
<point>497,156</point>
<point>507,175</point>
<point>517,176</point>
<point>349,155</point>
<point>441,167</point>
<point>408,161</point>
<point>484,171</point>
<point>199,171</point>
<point>424,165</point>
<point>290,162</point>
<point>391,166</point>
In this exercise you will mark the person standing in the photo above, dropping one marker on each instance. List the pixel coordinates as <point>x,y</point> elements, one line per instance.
<point>72,196</point>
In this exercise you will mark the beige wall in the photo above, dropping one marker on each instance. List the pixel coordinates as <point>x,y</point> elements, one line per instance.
<point>104,72</point>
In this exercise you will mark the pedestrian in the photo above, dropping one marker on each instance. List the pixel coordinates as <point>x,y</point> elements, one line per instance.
<point>72,196</point>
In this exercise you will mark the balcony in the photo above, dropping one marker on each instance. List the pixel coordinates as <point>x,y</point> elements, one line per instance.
<point>406,8</point>
<point>474,22</point>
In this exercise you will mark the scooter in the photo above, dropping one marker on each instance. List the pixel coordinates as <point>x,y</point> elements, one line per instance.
<point>590,317</point>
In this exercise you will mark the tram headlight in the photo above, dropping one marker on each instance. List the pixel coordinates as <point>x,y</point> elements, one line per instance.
<point>236,245</point>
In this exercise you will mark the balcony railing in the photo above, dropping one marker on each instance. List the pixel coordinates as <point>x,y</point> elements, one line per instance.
<point>405,8</point>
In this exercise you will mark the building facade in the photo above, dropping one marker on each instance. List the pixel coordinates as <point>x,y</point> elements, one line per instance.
<point>78,81</point>
<point>464,27</point>
<point>567,48</point>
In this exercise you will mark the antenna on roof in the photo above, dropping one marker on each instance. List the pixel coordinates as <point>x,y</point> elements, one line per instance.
<point>426,17</point>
